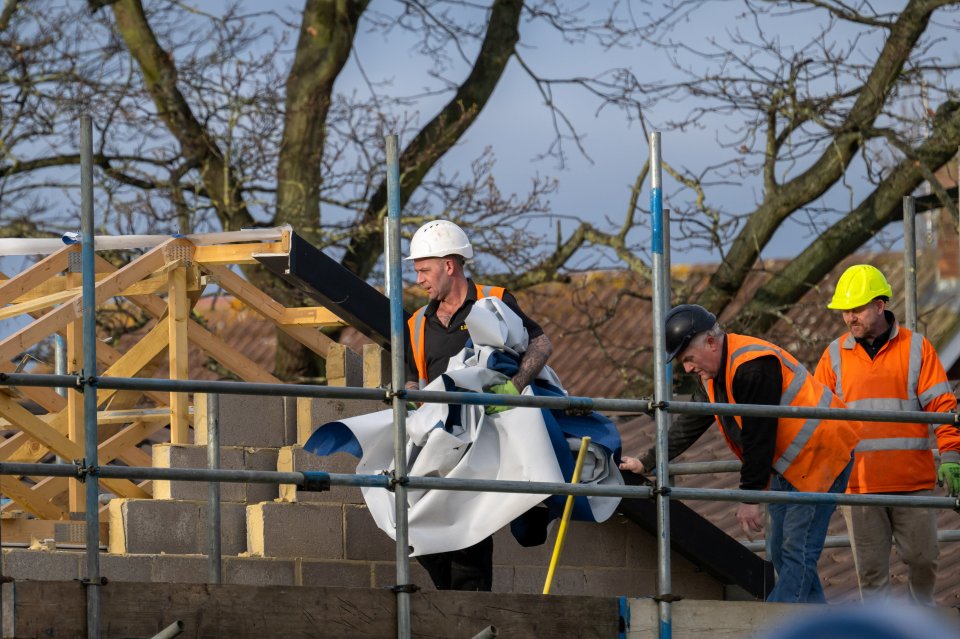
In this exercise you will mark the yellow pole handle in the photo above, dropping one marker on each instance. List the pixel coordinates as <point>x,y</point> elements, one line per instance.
<point>567,511</point>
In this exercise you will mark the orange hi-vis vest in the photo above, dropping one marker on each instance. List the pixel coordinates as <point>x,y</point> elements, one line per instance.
<point>809,453</point>
<point>417,327</point>
<point>905,374</point>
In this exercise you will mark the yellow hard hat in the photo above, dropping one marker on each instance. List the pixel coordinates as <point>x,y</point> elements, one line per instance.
<point>859,284</point>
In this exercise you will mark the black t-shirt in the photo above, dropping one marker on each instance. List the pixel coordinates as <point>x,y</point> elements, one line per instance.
<point>442,342</point>
<point>759,381</point>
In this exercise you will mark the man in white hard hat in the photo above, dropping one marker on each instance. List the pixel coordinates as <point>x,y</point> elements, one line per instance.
<point>439,250</point>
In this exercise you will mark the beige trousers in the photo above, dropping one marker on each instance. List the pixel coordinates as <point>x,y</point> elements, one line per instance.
<point>874,529</point>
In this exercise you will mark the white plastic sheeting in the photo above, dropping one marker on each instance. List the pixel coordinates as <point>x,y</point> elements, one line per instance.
<point>461,441</point>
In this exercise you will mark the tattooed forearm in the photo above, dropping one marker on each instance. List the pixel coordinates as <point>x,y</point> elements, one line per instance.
<point>538,352</point>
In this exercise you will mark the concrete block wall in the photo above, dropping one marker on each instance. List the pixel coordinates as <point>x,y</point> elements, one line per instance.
<point>231,458</point>
<point>147,526</point>
<point>248,420</point>
<point>613,558</point>
<point>313,413</point>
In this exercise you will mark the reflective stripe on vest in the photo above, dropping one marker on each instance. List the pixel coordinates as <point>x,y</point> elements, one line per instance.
<point>837,369</point>
<point>803,437</point>
<point>893,443</point>
<point>416,340</point>
<point>914,365</point>
<point>417,326</point>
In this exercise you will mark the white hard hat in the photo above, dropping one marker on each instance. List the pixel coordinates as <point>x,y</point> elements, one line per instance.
<point>440,238</point>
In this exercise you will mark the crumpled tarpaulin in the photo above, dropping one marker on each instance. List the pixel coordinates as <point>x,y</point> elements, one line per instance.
<point>461,441</point>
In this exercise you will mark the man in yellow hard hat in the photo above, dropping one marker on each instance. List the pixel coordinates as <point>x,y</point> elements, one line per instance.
<point>880,365</point>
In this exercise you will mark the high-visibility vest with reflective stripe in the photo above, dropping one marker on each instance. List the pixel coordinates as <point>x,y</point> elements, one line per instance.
<point>417,326</point>
<point>809,453</point>
<point>905,374</point>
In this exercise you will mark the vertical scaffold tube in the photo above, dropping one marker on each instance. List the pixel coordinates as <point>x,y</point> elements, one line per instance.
<point>214,549</point>
<point>910,260</point>
<point>397,384</point>
<point>88,296</point>
<point>661,389</point>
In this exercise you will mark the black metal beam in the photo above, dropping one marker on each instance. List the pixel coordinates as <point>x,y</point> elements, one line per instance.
<point>336,288</point>
<point>703,544</point>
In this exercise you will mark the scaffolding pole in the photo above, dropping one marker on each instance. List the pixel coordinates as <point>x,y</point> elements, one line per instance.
<point>661,392</point>
<point>320,481</point>
<point>213,489</point>
<point>481,399</point>
<point>88,280</point>
<point>910,261</point>
<point>397,383</point>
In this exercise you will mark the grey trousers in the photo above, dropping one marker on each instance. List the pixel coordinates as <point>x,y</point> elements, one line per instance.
<point>874,529</point>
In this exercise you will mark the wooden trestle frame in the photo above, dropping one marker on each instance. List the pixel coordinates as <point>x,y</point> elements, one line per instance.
<point>166,282</point>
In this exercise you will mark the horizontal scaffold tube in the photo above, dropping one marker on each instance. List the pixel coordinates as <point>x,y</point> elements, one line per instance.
<point>843,541</point>
<point>484,399</point>
<point>486,485</point>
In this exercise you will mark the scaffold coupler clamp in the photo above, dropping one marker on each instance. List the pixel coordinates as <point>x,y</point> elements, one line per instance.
<point>83,382</point>
<point>84,471</point>
<point>103,581</point>
<point>389,394</point>
<point>653,406</point>
<point>394,482</point>
<point>667,598</point>
<point>665,491</point>
<point>407,588</point>
<point>315,481</point>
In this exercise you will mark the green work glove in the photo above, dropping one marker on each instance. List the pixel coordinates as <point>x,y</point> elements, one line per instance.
<point>949,474</point>
<point>506,388</point>
<point>411,406</point>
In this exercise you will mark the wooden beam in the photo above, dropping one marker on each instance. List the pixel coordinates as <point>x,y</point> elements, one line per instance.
<point>178,312</point>
<point>20,492</point>
<point>62,315</point>
<point>116,447</point>
<point>230,358</point>
<point>35,275</point>
<point>21,447</point>
<point>317,316</point>
<point>46,398</point>
<point>60,444</point>
<point>225,254</point>
<point>36,304</point>
<point>55,284</point>
<point>269,308</point>
<point>76,492</point>
<point>109,416</point>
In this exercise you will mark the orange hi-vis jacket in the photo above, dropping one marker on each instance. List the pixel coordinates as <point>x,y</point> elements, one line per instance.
<point>905,374</point>
<point>809,453</point>
<point>417,326</point>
